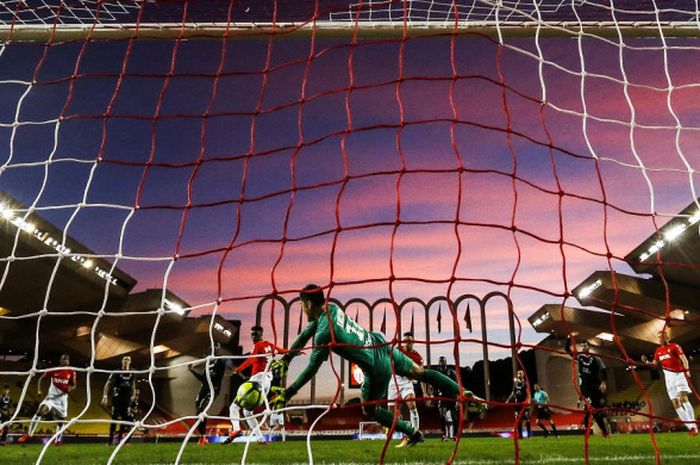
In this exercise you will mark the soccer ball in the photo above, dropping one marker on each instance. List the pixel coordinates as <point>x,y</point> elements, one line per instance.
<point>249,395</point>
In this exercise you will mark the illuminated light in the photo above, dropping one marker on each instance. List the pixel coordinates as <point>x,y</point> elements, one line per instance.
<point>675,231</point>
<point>695,218</point>
<point>7,214</point>
<point>88,264</point>
<point>677,314</point>
<point>586,291</point>
<point>606,336</point>
<point>643,257</point>
<point>172,306</point>
<point>544,317</point>
<point>160,349</point>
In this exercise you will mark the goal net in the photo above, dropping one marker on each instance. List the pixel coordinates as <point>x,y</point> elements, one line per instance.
<point>512,183</point>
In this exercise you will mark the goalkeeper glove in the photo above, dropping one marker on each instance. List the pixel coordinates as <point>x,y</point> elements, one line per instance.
<point>279,367</point>
<point>279,401</point>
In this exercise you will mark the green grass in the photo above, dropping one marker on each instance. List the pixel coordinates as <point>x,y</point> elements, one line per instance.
<point>675,448</point>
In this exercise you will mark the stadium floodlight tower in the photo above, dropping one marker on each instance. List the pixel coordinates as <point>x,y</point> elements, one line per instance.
<point>289,126</point>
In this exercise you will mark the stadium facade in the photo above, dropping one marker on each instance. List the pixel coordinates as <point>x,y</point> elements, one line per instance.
<point>621,316</point>
<point>58,289</point>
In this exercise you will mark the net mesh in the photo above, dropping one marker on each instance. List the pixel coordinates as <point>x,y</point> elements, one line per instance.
<point>449,168</point>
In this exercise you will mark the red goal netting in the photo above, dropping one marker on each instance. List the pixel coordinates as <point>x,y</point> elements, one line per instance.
<point>512,183</point>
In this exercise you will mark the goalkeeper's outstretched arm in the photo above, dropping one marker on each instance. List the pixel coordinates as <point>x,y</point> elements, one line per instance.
<point>318,356</point>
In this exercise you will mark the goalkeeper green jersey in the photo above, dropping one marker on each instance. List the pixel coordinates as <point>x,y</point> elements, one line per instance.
<point>335,330</point>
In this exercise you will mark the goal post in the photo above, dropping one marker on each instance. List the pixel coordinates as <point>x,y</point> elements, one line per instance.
<point>172,174</point>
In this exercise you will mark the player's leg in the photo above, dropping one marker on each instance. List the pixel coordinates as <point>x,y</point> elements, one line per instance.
<point>112,425</point>
<point>123,416</point>
<point>41,412</point>
<point>554,427</point>
<point>683,389</point>
<point>3,436</point>
<point>600,416</point>
<point>541,416</point>
<point>201,405</point>
<point>374,388</point>
<point>518,421</point>
<point>442,413</point>
<point>234,414</point>
<point>526,419</point>
<point>414,418</point>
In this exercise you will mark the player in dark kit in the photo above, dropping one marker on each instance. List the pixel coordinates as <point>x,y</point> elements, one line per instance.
<point>447,409</point>
<point>118,392</point>
<point>217,369</point>
<point>5,413</point>
<point>521,395</point>
<point>593,383</point>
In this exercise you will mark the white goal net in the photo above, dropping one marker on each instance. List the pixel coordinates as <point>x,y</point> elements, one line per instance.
<point>172,174</point>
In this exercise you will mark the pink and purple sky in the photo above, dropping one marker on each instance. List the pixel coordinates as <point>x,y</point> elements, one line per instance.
<point>426,148</point>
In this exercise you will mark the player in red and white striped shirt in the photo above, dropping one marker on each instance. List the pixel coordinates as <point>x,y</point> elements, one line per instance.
<point>671,358</point>
<point>55,404</point>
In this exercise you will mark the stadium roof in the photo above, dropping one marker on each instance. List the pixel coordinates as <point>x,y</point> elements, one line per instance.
<point>36,259</point>
<point>637,307</point>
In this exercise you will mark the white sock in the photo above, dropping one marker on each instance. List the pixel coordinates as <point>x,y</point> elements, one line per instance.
<point>252,423</point>
<point>415,419</point>
<point>450,430</point>
<point>690,412</point>
<point>683,415</point>
<point>33,424</point>
<point>234,413</point>
<point>284,434</point>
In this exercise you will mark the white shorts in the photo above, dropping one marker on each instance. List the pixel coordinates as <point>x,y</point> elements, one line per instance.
<point>676,382</point>
<point>264,378</point>
<point>56,403</point>
<point>401,386</point>
<point>276,418</point>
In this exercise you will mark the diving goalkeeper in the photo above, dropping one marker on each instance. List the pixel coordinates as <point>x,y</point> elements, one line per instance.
<point>369,350</point>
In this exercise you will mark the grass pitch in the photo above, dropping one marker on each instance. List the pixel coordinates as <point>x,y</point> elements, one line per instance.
<point>674,448</point>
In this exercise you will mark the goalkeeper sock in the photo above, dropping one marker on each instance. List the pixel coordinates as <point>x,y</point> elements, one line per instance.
<point>442,382</point>
<point>386,418</point>
<point>33,424</point>
<point>415,419</point>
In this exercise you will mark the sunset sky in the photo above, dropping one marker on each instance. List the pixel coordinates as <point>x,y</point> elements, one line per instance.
<point>460,186</point>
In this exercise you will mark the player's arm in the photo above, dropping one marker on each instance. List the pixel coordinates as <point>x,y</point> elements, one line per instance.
<point>684,361</point>
<point>73,383</point>
<point>38,385</point>
<point>603,370</point>
<point>247,363</point>
<point>510,396</point>
<point>318,356</point>
<point>105,392</point>
<point>301,341</point>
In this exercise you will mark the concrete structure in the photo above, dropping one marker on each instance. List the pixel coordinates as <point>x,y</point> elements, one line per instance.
<point>40,269</point>
<point>624,314</point>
